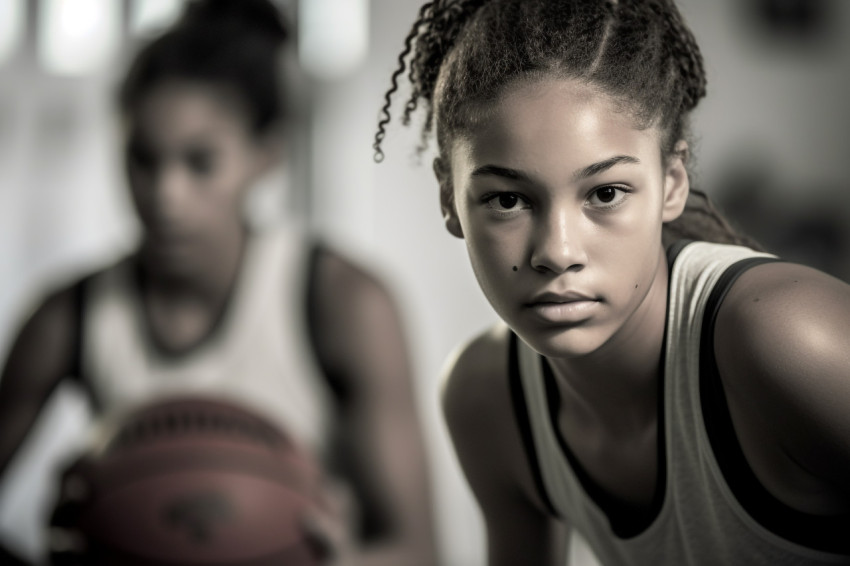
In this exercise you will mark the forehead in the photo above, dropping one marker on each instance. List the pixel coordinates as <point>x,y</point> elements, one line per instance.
<point>177,110</point>
<point>560,123</point>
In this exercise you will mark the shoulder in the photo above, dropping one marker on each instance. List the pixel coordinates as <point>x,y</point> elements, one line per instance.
<point>782,344</point>
<point>786,319</point>
<point>44,349</point>
<point>478,407</point>
<point>48,331</point>
<point>53,320</point>
<point>479,366</point>
<point>356,327</point>
<point>339,282</point>
<point>479,411</point>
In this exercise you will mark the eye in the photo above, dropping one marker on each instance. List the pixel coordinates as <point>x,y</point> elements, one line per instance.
<point>141,157</point>
<point>607,196</point>
<point>200,161</point>
<point>505,202</point>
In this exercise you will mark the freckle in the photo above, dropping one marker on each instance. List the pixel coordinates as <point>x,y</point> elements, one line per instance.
<point>795,281</point>
<point>636,285</point>
<point>514,268</point>
<point>756,300</point>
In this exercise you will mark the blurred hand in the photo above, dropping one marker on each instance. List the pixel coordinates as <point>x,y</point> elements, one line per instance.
<point>67,545</point>
<point>330,526</point>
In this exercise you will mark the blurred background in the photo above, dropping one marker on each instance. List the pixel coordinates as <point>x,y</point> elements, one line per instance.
<point>772,146</point>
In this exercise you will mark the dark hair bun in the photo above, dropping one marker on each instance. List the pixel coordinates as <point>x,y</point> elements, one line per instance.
<point>249,16</point>
<point>236,43</point>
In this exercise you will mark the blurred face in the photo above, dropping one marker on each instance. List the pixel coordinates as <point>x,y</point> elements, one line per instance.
<point>561,200</point>
<point>190,158</point>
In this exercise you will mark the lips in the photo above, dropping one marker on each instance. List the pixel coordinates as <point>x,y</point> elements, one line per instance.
<point>566,297</point>
<point>166,234</point>
<point>563,308</point>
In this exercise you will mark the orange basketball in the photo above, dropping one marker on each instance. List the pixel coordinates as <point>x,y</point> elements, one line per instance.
<point>190,482</point>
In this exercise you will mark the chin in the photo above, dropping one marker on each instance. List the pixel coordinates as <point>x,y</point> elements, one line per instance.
<point>174,262</point>
<point>563,342</point>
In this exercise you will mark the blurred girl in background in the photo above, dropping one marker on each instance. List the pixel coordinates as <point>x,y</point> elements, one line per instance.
<point>209,304</point>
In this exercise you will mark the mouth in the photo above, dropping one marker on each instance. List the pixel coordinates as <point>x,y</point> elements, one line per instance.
<point>167,233</point>
<point>561,298</point>
<point>563,308</point>
<point>167,243</point>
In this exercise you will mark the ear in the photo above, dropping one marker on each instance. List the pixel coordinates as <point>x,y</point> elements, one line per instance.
<point>447,198</point>
<point>676,183</point>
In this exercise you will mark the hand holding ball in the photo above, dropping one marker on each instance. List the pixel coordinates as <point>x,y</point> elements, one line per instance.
<point>190,481</point>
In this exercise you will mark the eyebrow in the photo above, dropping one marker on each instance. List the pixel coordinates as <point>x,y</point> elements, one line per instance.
<point>604,165</point>
<point>584,173</point>
<point>497,171</point>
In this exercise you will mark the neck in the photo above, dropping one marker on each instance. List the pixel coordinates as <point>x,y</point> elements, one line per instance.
<point>617,385</point>
<point>207,276</point>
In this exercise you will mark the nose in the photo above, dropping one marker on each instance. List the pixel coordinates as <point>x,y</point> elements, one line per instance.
<point>557,245</point>
<point>169,193</point>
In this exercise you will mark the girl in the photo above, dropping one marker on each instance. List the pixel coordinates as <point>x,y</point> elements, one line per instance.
<point>207,304</point>
<point>669,394</point>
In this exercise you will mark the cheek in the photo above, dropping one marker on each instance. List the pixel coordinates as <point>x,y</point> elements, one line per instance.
<point>628,246</point>
<point>224,191</point>
<point>220,204</point>
<point>637,228</point>
<point>495,252</point>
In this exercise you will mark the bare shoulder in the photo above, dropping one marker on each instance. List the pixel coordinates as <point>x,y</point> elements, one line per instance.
<point>45,340</point>
<point>41,356</point>
<point>789,320</point>
<point>336,271</point>
<point>479,411</point>
<point>348,293</point>
<point>352,312</point>
<point>782,344</point>
<point>475,384</point>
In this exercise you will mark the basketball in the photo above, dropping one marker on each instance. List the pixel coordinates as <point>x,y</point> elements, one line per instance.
<point>189,482</point>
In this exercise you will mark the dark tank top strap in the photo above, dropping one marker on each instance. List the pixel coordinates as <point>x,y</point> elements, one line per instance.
<point>829,534</point>
<point>524,423</point>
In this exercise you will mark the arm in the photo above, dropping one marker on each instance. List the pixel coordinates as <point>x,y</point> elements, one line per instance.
<point>478,410</point>
<point>359,339</point>
<point>40,357</point>
<point>782,343</point>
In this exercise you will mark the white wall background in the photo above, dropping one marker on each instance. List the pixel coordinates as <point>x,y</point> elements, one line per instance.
<point>62,207</point>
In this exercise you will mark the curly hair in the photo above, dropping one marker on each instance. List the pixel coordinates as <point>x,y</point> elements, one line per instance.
<point>460,55</point>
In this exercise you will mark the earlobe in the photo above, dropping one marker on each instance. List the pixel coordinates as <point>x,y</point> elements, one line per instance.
<point>447,199</point>
<point>676,182</point>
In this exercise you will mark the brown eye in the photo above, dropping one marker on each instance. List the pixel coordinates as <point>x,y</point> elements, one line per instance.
<point>608,198</point>
<point>200,161</point>
<point>506,203</point>
<point>606,194</point>
<point>508,200</point>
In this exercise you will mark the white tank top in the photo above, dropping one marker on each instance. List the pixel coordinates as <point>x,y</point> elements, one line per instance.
<point>699,521</point>
<point>259,355</point>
